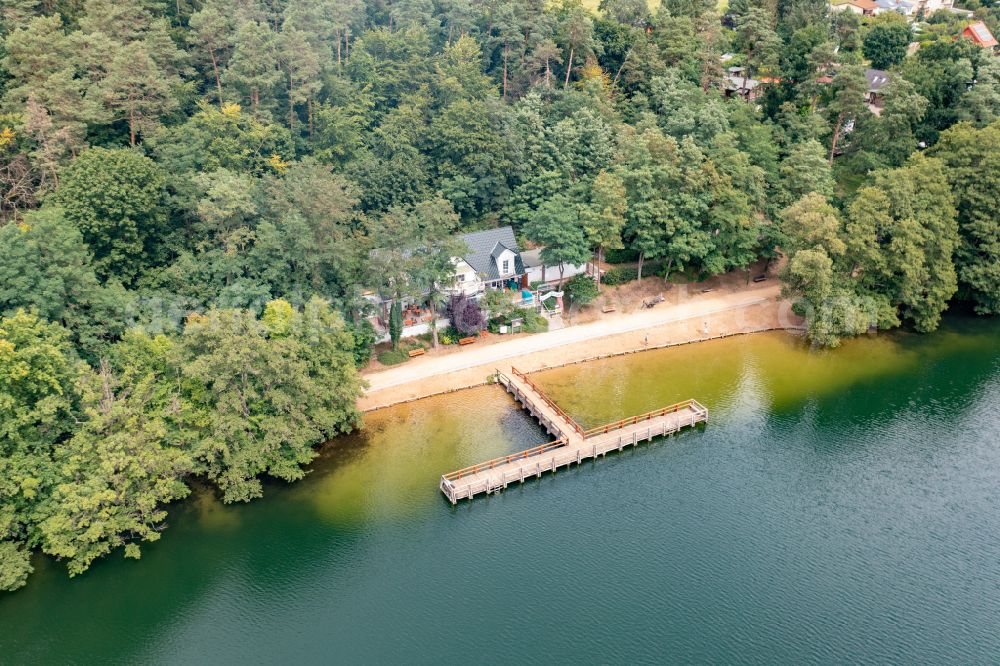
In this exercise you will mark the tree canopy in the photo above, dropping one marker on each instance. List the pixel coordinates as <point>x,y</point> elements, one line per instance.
<point>198,200</point>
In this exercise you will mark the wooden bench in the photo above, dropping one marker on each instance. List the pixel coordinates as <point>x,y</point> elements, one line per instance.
<point>608,308</point>
<point>760,278</point>
<point>416,352</point>
<point>466,341</point>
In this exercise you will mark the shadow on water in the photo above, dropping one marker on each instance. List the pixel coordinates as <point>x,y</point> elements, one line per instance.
<point>213,556</point>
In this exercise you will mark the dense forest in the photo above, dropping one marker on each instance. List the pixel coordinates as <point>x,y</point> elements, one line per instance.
<point>191,192</point>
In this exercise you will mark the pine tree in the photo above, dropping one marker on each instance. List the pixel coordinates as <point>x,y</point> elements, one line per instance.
<point>213,30</point>
<point>395,322</point>
<point>253,68</point>
<point>137,90</point>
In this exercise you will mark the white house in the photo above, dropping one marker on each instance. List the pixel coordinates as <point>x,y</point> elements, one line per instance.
<point>928,7</point>
<point>904,7</point>
<point>863,7</point>
<point>492,259</point>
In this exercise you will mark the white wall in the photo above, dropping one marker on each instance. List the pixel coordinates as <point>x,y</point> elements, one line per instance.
<point>470,284</point>
<point>507,256</point>
<point>552,272</point>
<point>415,330</point>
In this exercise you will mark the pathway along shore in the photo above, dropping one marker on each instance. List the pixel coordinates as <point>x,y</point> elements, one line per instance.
<point>703,317</point>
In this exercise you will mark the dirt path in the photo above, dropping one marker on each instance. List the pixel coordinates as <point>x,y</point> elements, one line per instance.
<point>701,317</point>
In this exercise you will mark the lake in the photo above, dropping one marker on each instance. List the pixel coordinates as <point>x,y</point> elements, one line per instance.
<point>841,506</point>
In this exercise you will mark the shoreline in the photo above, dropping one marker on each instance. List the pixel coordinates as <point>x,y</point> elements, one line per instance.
<point>754,316</point>
<point>626,352</point>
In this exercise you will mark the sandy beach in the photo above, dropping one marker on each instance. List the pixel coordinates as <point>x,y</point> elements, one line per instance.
<point>685,318</point>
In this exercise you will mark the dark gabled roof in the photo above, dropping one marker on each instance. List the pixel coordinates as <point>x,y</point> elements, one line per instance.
<point>485,246</point>
<point>736,82</point>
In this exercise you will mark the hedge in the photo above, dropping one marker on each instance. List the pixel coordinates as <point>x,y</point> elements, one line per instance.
<point>616,276</point>
<point>623,274</point>
<point>623,256</point>
<point>393,357</point>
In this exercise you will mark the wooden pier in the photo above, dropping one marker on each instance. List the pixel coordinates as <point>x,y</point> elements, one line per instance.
<point>572,443</point>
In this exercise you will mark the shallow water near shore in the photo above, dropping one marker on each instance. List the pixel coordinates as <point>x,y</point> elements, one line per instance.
<point>841,506</point>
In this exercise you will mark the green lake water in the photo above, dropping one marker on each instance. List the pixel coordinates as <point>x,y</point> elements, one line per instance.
<point>840,507</point>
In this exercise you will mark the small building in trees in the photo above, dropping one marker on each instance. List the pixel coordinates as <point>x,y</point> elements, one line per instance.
<point>928,7</point>
<point>958,11</point>
<point>877,79</point>
<point>980,34</point>
<point>492,259</point>
<point>904,7</point>
<point>862,7</point>
<point>738,82</point>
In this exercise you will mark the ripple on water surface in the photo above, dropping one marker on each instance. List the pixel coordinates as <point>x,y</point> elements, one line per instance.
<point>840,507</point>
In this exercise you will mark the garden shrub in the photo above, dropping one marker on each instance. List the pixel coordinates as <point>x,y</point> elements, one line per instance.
<point>581,289</point>
<point>621,275</point>
<point>449,336</point>
<point>393,357</point>
<point>465,315</point>
<point>364,342</point>
<point>534,322</point>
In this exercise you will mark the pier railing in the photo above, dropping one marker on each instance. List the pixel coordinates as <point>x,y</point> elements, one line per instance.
<point>541,394</point>
<point>503,460</point>
<point>574,444</point>
<point>632,420</point>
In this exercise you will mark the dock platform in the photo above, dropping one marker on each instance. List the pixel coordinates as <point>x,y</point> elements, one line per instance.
<point>572,443</point>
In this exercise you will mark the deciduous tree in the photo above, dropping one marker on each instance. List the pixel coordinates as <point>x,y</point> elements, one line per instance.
<point>972,159</point>
<point>117,199</point>
<point>885,43</point>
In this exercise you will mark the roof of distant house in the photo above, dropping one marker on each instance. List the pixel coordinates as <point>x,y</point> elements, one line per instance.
<point>876,79</point>
<point>865,5</point>
<point>980,34</point>
<point>894,5</point>
<point>736,82</point>
<point>485,246</point>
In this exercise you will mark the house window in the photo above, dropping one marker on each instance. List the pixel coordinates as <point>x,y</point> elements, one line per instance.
<point>460,277</point>
<point>506,266</point>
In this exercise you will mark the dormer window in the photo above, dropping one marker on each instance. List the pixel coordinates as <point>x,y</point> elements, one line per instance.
<point>506,266</point>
